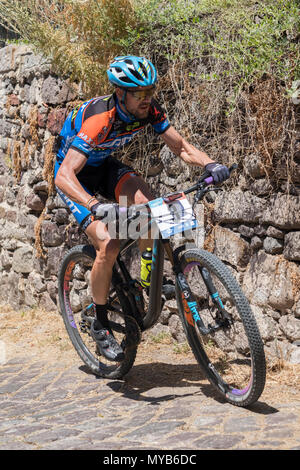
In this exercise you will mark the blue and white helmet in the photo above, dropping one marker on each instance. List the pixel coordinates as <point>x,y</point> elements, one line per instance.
<point>131,71</point>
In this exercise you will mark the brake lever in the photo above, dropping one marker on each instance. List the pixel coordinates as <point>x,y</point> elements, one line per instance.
<point>199,194</point>
<point>202,191</point>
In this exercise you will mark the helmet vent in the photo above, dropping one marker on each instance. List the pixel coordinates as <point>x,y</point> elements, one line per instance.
<point>136,74</point>
<point>144,69</point>
<point>125,79</point>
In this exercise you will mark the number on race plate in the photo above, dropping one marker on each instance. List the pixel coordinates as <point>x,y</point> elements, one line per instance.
<point>173,214</point>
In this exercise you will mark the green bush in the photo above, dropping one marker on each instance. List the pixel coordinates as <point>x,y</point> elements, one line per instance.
<point>79,37</point>
<point>243,39</point>
<point>230,69</point>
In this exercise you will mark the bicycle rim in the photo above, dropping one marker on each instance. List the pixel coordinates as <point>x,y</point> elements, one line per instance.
<point>78,313</point>
<point>232,356</point>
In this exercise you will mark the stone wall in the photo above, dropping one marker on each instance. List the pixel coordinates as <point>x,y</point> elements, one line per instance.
<point>33,236</point>
<point>256,234</point>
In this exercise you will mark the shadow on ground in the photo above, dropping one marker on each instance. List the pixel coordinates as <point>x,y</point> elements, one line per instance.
<point>160,377</point>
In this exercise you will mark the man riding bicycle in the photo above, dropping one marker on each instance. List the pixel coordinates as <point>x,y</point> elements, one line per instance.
<point>85,167</point>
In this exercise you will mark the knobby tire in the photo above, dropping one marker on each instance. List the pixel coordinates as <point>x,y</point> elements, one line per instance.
<point>195,259</point>
<point>75,255</point>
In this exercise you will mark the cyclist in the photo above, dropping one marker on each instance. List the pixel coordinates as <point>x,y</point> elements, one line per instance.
<point>85,166</point>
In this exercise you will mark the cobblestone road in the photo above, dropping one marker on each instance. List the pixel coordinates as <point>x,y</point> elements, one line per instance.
<point>48,405</point>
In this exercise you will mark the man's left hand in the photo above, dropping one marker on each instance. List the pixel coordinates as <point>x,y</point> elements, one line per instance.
<point>219,172</point>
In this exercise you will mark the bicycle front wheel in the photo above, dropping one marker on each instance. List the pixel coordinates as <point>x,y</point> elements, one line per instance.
<point>76,308</point>
<point>221,328</point>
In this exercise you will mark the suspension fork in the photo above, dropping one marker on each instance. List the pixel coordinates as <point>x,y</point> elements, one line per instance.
<point>188,300</point>
<point>190,306</point>
<point>211,288</point>
<point>223,318</point>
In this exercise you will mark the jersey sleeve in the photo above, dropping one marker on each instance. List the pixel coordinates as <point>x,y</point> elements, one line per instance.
<point>93,130</point>
<point>158,118</point>
<point>86,138</point>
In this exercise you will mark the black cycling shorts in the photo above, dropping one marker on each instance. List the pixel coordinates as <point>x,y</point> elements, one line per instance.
<point>107,180</point>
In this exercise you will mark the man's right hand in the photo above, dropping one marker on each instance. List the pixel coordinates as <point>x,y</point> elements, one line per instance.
<point>105,211</point>
<point>109,212</point>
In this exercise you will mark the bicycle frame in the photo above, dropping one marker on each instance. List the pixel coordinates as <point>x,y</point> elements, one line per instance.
<point>134,290</point>
<point>160,245</point>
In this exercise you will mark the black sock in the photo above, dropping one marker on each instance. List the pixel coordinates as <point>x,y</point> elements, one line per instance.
<point>101,317</point>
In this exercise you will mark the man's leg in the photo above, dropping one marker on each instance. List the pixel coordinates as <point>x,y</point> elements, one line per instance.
<point>107,250</point>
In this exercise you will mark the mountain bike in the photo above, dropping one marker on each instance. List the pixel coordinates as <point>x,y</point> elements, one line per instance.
<point>217,318</point>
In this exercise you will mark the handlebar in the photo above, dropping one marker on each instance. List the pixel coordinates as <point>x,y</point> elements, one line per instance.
<point>206,180</point>
<point>201,187</point>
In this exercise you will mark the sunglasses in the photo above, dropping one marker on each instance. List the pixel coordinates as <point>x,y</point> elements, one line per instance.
<point>142,94</point>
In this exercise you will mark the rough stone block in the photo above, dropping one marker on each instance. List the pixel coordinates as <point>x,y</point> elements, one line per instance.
<point>271,281</point>
<point>56,91</point>
<point>51,235</point>
<point>292,246</point>
<point>230,247</point>
<point>238,207</point>
<point>272,245</point>
<point>22,261</point>
<point>283,211</point>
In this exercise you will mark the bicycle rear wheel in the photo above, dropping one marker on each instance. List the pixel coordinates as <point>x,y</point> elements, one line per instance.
<point>76,308</point>
<point>228,346</point>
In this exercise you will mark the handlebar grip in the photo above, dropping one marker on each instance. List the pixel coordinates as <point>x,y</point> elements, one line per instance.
<point>209,180</point>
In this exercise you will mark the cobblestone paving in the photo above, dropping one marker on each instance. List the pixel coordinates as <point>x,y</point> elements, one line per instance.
<point>62,406</point>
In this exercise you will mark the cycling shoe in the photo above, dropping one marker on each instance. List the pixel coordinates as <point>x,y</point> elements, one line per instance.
<point>107,344</point>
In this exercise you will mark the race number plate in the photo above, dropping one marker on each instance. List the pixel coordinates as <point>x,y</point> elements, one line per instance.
<point>173,214</point>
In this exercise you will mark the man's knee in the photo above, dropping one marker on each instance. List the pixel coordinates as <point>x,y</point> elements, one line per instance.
<point>107,251</point>
<point>107,248</point>
<point>137,191</point>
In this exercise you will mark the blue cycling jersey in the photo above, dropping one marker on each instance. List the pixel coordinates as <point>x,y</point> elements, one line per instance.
<point>99,127</point>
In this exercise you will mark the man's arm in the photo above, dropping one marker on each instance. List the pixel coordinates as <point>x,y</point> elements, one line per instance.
<point>67,181</point>
<point>183,149</point>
